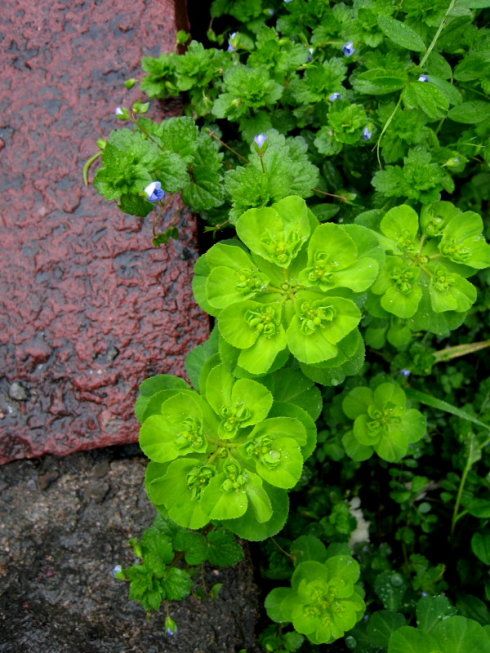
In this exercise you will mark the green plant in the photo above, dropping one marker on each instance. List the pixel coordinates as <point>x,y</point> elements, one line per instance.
<point>342,149</point>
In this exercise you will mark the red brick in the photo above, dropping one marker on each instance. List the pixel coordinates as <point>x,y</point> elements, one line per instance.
<point>88,308</point>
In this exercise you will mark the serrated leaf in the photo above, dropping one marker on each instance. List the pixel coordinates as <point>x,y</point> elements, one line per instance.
<point>401,34</point>
<point>379,81</point>
<point>223,548</point>
<point>470,113</point>
<point>204,191</point>
<point>177,584</point>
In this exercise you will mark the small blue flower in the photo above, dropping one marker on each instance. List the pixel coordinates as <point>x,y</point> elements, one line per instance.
<point>311,52</point>
<point>154,191</point>
<point>230,48</point>
<point>348,49</point>
<point>423,78</point>
<point>334,96</point>
<point>367,134</point>
<point>260,140</point>
<point>117,570</point>
<point>406,373</point>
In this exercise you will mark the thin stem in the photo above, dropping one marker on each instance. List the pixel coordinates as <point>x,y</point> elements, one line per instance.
<point>437,34</point>
<point>462,483</point>
<point>217,138</point>
<point>342,198</point>
<point>385,127</point>
<point>281,549</point>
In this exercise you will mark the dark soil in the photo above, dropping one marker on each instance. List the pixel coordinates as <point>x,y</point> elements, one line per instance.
<point>64,525</point>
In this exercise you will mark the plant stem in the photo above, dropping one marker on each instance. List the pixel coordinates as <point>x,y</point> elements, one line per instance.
<point>462,483</point>
<point>449,353</point>
<point>442,25</point>
<point>217,138</point>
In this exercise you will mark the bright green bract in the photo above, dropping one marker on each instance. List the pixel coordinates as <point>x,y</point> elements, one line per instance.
<point>382,422</point>
<point>228,455</point>
<point>323,601</point>
<point>292,290</point>
<point>426,269</point>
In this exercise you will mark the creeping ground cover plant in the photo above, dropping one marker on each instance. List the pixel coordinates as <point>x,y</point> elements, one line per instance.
<point>338,417</point>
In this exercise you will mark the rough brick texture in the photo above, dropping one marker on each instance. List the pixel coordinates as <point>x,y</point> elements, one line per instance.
<point>88,307</point>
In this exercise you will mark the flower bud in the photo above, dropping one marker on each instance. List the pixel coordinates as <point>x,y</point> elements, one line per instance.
<point>260,140</point>
<point>170,626</point>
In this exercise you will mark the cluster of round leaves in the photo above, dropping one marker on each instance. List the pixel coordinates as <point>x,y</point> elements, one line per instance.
<point>324,600</point>
<point>228,455</point>
<point>382,423</point>
<point>291,290</point>
<point>424,278</point>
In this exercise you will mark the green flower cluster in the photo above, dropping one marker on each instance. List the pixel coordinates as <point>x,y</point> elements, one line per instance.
<point>293,289</point>
<point>229,455</point>
<point>382,423</point>
<point>426,271</point>
<point>323,602</point>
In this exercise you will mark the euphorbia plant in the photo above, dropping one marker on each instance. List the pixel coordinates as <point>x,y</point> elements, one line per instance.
<point>288,292</point>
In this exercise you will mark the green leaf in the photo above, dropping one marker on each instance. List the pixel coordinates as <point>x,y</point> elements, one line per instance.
<point>276,233</point>
<point>357,401</point>
<point>400,223</point>
<point>194,546</point>
<point>223,549</point>
<point>354,449</point>
<point>318,325</point>
<point>381,625</point>
<point>177,584</point>
<point>279,603</point>
<point>247,526</point>
<point>197,357</point>
<point>410,640</point>
<point>135,205</point>
<point>289,385</point>
<point>431,610</point>
<point>461,635</point>
<point>401,34</point>
<point>308,547</point>
<point>154,385</point>
<point>281,466</point>
<point>379,81</point>
<point>480,545</point>
<point>205,190</point>
<point>281,409</point>
<point>469,113</point>
<point>391,588</point>
<point>427,97</point>
<point>479,508</point>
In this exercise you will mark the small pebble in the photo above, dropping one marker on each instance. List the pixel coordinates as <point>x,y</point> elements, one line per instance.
<point>18,391</point>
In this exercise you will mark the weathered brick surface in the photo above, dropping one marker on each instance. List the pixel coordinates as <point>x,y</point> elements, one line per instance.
<point>87,307</point>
